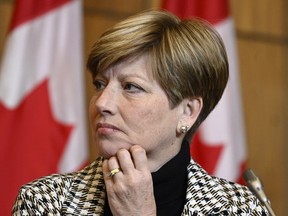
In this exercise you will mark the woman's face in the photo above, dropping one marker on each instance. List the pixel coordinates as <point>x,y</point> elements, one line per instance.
<point>129,107</point>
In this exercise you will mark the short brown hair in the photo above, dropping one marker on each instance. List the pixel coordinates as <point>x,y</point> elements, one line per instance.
<point>187,58</point>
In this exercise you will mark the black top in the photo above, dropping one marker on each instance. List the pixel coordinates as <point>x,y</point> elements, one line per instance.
<point>170,184</point>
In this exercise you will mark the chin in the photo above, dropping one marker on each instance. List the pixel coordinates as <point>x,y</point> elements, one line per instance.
<point>107,153</point>
<point>108,150</point>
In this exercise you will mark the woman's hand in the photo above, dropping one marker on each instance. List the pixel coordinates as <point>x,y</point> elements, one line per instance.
<point>130,191</point>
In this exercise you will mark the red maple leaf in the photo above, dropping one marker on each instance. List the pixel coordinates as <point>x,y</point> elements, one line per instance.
<point>206,155</point>
<point>32,142</point>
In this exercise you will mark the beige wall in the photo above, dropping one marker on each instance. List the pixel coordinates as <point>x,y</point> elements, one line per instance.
<point>262,39</point>
<point>262,43</point>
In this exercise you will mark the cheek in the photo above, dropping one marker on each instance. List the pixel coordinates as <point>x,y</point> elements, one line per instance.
<point>92,108</point>
<point>150,114</point>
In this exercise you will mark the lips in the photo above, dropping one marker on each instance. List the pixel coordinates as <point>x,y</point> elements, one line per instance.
<point>105,128</point>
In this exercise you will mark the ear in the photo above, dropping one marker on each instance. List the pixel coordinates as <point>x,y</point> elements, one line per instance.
<point>190,110</point>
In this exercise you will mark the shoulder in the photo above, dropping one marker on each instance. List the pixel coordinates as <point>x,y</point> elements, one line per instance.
<point>54,182</point>
<point>33,198</point>
<point>212,194</point>
<point>47,194</point>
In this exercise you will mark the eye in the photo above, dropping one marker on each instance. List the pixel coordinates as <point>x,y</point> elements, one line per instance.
<point>99,84</point>
<point>132,88</point>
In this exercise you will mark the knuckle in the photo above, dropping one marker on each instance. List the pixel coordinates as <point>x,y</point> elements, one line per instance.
<point>120,189</point>
<point>112,160</point>
<point>137,149</point>
<point>122,153</point>
<point>141,179</point>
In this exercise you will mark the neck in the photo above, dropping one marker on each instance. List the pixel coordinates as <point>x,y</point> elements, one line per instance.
<point>157,160</point>
<point>170,183</point>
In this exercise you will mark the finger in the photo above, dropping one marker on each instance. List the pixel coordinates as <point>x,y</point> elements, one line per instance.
<point>125,161</point>
<point>105,168</point>
<point>113,165</point>
<point>139,157</point>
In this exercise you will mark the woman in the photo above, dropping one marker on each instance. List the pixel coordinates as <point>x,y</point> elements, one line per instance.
<point>156,79</point>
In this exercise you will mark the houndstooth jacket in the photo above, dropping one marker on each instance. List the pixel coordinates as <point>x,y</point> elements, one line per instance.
<point>83,193</point>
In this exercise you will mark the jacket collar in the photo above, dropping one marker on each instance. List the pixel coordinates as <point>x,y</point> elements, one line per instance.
<point>87,192</point>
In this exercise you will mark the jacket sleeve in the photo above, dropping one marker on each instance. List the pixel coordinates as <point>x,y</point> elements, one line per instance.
<point>43,196</point>
<point>28,203</point>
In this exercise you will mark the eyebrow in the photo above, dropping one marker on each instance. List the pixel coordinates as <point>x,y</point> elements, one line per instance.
<point>124,76</point>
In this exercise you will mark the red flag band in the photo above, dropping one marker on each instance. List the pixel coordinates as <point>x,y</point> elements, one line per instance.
<point>42,116</point>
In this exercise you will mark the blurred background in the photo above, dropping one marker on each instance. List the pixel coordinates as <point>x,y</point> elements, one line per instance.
<point>262,43</point>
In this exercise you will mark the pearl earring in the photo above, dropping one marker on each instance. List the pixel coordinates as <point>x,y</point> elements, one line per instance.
<point>184,129</point>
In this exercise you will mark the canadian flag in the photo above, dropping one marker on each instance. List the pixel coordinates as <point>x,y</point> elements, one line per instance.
<point>42,100</point>
<point>219,145</point>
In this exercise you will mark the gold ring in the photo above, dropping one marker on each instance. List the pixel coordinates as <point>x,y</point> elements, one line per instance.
<point>114,171</point>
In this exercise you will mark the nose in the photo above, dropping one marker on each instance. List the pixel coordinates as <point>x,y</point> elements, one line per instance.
<point>106,101</point>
